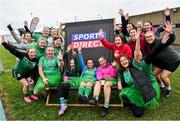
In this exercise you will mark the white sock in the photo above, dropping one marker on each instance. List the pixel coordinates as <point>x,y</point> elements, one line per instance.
<point>169,87</point>
<point>162,84</point>
<point>63,105</point>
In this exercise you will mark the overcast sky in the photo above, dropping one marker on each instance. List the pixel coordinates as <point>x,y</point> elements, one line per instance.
<point>52,11</point>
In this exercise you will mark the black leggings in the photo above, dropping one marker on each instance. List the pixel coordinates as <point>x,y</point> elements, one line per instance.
<point>63,90</point>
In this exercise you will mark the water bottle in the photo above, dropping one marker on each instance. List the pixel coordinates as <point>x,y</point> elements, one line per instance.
<point>31,86</point>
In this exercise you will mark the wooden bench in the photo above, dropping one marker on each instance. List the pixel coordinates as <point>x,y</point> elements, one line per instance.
<point>48,103</point>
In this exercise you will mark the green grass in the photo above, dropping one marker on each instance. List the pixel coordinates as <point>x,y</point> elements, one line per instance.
<point>16,109</point>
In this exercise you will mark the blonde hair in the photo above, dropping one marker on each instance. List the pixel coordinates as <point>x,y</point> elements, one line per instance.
<point>30,48</point>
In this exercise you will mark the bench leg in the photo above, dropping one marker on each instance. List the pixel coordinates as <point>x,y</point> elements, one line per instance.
<point>48,97</point>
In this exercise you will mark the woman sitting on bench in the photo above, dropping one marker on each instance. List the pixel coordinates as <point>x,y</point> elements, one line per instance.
<point>71,77</point>
<point>87,79</point>
<point>106,75</point>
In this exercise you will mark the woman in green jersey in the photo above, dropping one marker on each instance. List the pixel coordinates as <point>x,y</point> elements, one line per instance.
<point>49,72</point>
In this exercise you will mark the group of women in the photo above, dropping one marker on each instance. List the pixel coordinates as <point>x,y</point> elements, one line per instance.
<point>142,58</point>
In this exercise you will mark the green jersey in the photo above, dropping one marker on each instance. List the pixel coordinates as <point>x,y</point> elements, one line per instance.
<point>39,51</point>
<point>25,65</point>
<point>89,73</point>
<point>128,78</point>
<point>57,50</point>
<point>49,66</point>
<point>37,36</point>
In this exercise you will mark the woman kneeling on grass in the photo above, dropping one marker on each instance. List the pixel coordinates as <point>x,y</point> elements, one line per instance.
<point>140,88</point>
<point>49,71</point>
<point>24,69</point>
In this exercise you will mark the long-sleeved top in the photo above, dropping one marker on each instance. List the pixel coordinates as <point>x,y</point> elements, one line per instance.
<point>39,51</point>
<point>157,30</point>
<point>18,38</point>
<point>85,69</point>
<point>167,55</point>
<point>123,49</point>
<point>104,72</point>
<point>143,46</point>
<point>25,66</point>
<point>76,72</point>
<point>124,29</point>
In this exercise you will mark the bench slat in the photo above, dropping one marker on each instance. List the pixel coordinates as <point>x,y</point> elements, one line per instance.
<point>78,105</point>
<point>86,105</point>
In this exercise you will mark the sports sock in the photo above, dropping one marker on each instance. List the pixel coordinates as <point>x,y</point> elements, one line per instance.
<point>106,104</point>
<point>81,90</point>
<point>96,96</point>
<point>62,100</point>
<point>88,91</point>
<point>168,87</point>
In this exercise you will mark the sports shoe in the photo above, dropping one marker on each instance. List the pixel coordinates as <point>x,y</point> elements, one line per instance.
<point>93,101</point>
<point>80,99</point>
<point>162,89</point>
<point>62,109</point>
<point>168,93</point>
<point>84,99</point>
<point>27,99</point>
<point>34,97</point>
<point>105,112</point>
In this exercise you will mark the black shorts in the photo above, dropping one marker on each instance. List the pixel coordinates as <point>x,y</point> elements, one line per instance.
<point>169,67</point>
<point>19,76</point>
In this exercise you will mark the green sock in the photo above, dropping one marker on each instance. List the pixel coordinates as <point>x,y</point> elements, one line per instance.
<point>96,96</point>
<point>88,91</point>
<point>106,104</point>
<point>61,100</point>
<point>81,90</point>
<point>65,101</point>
